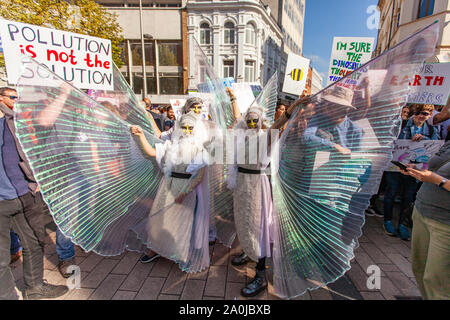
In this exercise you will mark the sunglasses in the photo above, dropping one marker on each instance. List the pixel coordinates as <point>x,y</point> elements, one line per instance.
<point>11,97</point>
<point>422,113</point>
<point>254,121</point>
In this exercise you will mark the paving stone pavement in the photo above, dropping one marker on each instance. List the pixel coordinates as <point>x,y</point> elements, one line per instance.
<point>125,278</point>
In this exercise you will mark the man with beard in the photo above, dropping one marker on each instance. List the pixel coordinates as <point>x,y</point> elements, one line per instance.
<point>177,227</point>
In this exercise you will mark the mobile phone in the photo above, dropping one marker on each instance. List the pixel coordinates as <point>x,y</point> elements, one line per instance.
<point>400,165</point>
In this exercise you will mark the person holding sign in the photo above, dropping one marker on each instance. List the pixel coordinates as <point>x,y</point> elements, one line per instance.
<point>431,232</point>
<point>416,129</point>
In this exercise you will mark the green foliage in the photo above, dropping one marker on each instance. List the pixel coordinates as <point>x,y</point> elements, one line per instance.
<point>83,16</point>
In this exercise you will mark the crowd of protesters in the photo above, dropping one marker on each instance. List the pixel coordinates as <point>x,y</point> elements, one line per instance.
<point>424,203</point>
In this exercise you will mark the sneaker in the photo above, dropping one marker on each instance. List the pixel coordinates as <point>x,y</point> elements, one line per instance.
<point>377,213</point>
<point>389,228</point>
<point>63,265</point>
<point>147,259</point>
<point>15,257</point>
<point>370,212</point>
<point>44,291</point>
<point>404,232</point>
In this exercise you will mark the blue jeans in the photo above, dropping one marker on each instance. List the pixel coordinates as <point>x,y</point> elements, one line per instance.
<point>15,243</point>
<point>64,247</point>
<point>393,182</point>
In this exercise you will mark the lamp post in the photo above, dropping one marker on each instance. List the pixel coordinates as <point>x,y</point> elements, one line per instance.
<point>144,76</point>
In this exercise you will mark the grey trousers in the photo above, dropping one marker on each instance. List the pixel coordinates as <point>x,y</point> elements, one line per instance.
<point>12,215</point>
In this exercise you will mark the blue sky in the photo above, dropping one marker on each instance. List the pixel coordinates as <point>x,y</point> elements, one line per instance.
<point>325,19</point>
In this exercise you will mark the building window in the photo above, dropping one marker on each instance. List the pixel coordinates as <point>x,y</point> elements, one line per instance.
<point>205,34</point>
<point>137,83</point>
<point>228,68</point>
<point>250,34</point>
<point>426,8</point>
<point>170,53</point>
<point>229,33</point>
<point>136,53</point>
<point>249,71</point>
<point>170,83</point>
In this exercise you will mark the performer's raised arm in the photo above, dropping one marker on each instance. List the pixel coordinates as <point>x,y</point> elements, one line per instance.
<point>281,121</point>
<point>49,114</point>
<point>148,149</point>
<point>236,112</point>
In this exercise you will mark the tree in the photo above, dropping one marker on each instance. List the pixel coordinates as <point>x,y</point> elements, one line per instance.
<point>79,16</point>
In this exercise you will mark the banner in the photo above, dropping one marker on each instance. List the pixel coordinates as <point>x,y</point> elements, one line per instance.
<point>417,152</point>
<point>347,55</point>
<point>296,74</point>
<point>83,60</point>
<point>431,84</point>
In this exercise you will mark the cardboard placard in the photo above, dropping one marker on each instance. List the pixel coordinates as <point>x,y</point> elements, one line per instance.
<point>347,55</point>
<point>83,60</point>
<point>431,84</point>
<point>296,74</point>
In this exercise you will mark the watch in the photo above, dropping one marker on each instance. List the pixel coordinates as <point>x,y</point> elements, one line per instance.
<point>442,183</point>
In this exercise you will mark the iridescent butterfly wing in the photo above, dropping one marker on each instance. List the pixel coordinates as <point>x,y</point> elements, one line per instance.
<point>91,171</point>
<point>213,91</point>
<point>329,163</point>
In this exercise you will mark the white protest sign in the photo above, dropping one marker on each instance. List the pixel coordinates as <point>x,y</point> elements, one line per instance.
<point>296,74</point>
<point>83,60</point>
<point>177,105</point>
<point>347,55</point>
<point>431,84</point>
<point>418,152</point>
<point>244,95</point>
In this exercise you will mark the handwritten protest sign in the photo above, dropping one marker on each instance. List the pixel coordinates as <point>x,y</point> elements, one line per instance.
<point>431,84</point>
<point>417,152</point>
<point>296,74</point>
<point>347,55</point>
<point>83,60</point>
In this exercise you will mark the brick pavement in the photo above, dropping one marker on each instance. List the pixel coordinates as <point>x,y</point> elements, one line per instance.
<point>124,277</point>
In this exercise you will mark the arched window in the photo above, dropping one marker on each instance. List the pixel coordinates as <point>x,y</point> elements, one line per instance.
<point>205,33</point>
<point>229,33</point>
<point>250,34</point>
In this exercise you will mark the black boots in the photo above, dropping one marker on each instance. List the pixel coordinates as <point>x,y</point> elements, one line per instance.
<point>241,260</point>
<point>258,284</point>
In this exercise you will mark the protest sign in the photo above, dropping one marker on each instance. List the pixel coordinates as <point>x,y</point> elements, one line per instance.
<point>228,82</point>
<point>431,84</point>
<point>245,93</point>
<point>347,55</point>
<point>296,74</point>
<point>83,60</point>
<point>177,105</point>
<point>417,152</point>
